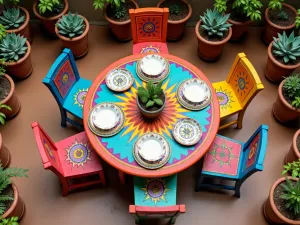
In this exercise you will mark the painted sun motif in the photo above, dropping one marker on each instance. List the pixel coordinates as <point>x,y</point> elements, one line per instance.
<point>222,154</point>
<point>78,153</point>
<point>79,97</point>
<point>136,124</point>
<point>186,131</point>
<point>150,49</point>
<point>149,27</point>
<point>241,83</point>
<point>252,152</point>
<point>224,98</point>
<point>155,189</point>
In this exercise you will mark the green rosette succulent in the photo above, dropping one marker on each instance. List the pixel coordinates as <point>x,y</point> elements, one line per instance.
<point>12,18</point>
<point>71,25</point>
<point>12,47</point>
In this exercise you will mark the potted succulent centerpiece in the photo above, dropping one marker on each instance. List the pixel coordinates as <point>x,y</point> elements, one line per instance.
<point>116,12</point>
<point>242,14</point>
<point>16,19</point>
<point>49,11</point>
<point>72,29</point>
<point>179,13</point>
<point>283,203</point>
<point>11,205</point>
<point>293,156</point>
<point>279,17</point>
<point>212,32</point>
<point>10,221</point>
<point>15,51</point>
<point>151,100</point>
<point>283,57</point>
<point>287,105</point>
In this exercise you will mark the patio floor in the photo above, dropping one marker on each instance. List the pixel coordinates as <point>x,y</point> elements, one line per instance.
<point>41,192</point>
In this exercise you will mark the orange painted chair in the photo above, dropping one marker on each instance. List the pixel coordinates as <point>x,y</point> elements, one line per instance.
<point>237,91</point>
<point>149,30</point>
<point>70,159</point>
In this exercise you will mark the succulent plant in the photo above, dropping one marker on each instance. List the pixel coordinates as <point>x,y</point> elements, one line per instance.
<point>174,9</point>
<point>10,221</point>
<point>12,18</point>
<point>291,88</point>
<point>291,196</point>
<point>2,32</point>
<point>283,15</point>
<point>150,95</point>
<point>214,23</point>
<point>12,47</point>
<point>71,25</point>
<point>287,47</point>
<point>49,5</point>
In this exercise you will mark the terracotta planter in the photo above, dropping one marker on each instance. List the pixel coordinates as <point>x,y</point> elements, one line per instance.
<point>49,22</point>
<point>270,210</point>
<point>293,154</point>
<point>78,45</point>
<point>176,29</point>
<point>4,154</point>
<point>17,208</point>
<point>275,71</point>
<point>239,29</point>
<point>11,100</point>
<point>271,29</point>
<point>23,30</point>
<point>282,110</point>
<point>150,114</point>
<point>121,30</point>
<point>209,50</point>
<point>22,68</point>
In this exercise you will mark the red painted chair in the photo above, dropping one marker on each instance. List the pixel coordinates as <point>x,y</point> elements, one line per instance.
<point>149,30</point>
<point>70,159</point>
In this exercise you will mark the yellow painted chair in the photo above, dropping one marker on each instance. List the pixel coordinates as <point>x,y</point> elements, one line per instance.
<point>237,91</point>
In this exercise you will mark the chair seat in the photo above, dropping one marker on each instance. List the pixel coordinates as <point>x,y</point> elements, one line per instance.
<point>229,104</point>
<point>75,100</point>
<point>77,157</point>
<point>150,47</point>
<point>223,158</point>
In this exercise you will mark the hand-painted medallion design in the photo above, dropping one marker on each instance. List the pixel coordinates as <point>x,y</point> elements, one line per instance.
<point>186,131</point>
<point>155,189</point>
<point>150,49</point>
<point>48,149</point>
<point>149,27</point>
<point>78,153</point>
<point>225,98</point>
<point>252,152</point>
<point>79,97</point>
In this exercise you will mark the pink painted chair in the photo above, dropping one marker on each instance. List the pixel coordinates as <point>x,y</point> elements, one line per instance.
<point>70,159</point>
<point>149,30</point>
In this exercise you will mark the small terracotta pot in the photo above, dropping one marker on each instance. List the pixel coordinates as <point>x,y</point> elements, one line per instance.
<point>210,50</point>
<point>121,30</point>
<point>276,71</point>
<point>176,28</point>
<point>293,154</point>
<point>282,110</point>
<point>271,29</point>
<point>239,29</point>
<point>150,114</point>
<point>49,22</point>
<point>17,208</point>
<point>22,68</point>
<point>23,30</point>
<point>11,100</point>
<point>4,154</point>
<point>78,45</point>
<point>271,213</point>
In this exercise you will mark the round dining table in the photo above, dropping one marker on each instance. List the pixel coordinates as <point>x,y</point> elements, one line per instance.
<point>118,149</point>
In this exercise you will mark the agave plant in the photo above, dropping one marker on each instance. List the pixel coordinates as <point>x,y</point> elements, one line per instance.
<point>71,25</point>
<point>12,47</point>
<point>215,23</point>
<point>287,47</point>
<point>12,18</point>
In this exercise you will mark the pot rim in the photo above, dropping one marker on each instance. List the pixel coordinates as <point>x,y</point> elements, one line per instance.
<point>14,204</point>
<point>87,28</point>
<point>188,16</point>
<point>117,22</point>
<point>37,14</point>
<point>289,67</point>
<point>12,89</point>
<point>238,23</point>
<point>24,25</point>
<point>23,58</point>
<point>296,150</point>
<point>282,99</point>
<point>277,26</point>
<point>212,42</point>
<point>271,197</point>
<point>151,112</point>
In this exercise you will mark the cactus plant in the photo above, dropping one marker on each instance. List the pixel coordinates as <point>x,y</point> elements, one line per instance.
<point>12,18</point>
<point>71,25</point>
<point>12,47</point>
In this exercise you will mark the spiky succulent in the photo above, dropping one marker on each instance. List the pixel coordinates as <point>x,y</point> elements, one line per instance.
<point>286,47</point>
<point>283,16</point>
<point>215,23</point>
<point>174,9</point>
<point>291,196</point>
<point>71,25</point>
<point>12,18</point>
<point>12,47</point>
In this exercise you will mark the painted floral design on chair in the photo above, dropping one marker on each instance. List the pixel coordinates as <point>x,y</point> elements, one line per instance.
<point>78,153</point>
<point>149,27</point>
<point>224,98</point>
<point>48,149</point>
<point>155,189</point>
<point>150,49</point>
<point>251,158</point>
<point>79,97</point>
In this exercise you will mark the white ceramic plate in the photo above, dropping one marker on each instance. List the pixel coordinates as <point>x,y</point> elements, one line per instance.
<point>119,80</point>
<point>187,131</point>
<point>106,116</point>
<point>153,65</point>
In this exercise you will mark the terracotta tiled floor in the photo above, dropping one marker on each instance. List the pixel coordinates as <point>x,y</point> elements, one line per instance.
<point>107,206</point>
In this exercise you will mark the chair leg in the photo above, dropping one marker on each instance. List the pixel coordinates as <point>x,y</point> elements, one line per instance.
<point>102,178</point>
<point>173,218</point>
<point>136,219</point>
<point>63,114</point>
<point>122,177</point>
<point>199,182</point>
<point>238,185</point>
<point>65,186</point>
<point>240,119</point>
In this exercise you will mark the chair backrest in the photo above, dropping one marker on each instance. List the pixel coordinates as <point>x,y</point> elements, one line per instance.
<point>254,151</point>
<point>62,76</point>
<point>244,80</point>
<point>47,149</point>
<point>149,24</point>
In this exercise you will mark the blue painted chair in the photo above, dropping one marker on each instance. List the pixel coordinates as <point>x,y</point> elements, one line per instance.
<point>155,197</point>
<point>67,87</point>
<point>229,159</point>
